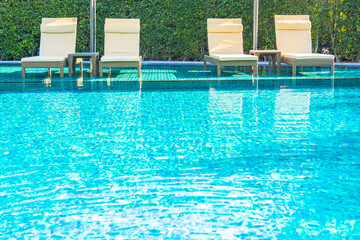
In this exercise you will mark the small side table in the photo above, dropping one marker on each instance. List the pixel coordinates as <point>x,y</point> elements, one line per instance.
<point>275,57</point>
<point>94,61</point>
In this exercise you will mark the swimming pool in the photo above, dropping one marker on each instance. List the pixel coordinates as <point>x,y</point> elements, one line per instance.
<point>247,159</point>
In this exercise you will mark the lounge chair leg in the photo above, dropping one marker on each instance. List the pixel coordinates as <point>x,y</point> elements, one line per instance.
<point>332,68</point>
<point>81,66</point>
<point>139,67</point>
<point>218,70</point>
<point>278,63</point>
<point>204,64</point>
<point>255,69</point>
<point>270,62</point>
<point>100,72</point>
<point>109,74</point>
<point>294,70</point>
<point>61,72</point>
<point>273,64</point>
<point>23,72</point>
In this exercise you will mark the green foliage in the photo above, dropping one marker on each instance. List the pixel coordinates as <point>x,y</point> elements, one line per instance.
<point>176,29</point>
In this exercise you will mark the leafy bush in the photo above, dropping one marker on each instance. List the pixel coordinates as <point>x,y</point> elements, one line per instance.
<point>176,29</point>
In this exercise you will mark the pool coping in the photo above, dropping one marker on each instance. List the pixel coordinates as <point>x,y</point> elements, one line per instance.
<point>201,63</point>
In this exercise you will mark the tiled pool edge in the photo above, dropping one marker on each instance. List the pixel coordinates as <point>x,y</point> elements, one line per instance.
<point>201,63</point>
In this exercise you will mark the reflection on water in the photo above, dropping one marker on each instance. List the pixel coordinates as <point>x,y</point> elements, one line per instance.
<point>80,80</point>
<point>80,84</point>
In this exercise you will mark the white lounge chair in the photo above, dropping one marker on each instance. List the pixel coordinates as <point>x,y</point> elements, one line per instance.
<point>57,40</point>
<point>122,43</point>
<point>293,39</point>
<point>225,41</point>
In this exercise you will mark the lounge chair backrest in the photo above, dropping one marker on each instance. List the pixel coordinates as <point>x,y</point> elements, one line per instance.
<point>293,33</point>
<point>225,36</point>
<point>58,36</point>
<point>122,37</point>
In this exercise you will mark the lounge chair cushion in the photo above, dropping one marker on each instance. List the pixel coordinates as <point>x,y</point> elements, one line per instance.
<point>120,59</point>
<point>129,26</point>
<point>225,36</point>
<point>231,25</point>
<point>307,56</point>
<point>225,43</point>
<point>122,37</point>
<point>58,36</point>
<point>292,18</point>
<point>59,27</point>
<point>290,41</point>
<point>234,57</point>
<point>293,25</point>
<point>293,33</point>
<point>43,59</point>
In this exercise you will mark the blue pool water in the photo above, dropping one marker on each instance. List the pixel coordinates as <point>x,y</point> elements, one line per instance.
<point>279,161</point>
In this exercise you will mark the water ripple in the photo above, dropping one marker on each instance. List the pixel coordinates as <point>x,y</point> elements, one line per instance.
<point>275,164</point>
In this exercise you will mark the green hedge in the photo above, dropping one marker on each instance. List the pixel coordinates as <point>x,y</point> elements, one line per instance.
<point>176,29</point>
